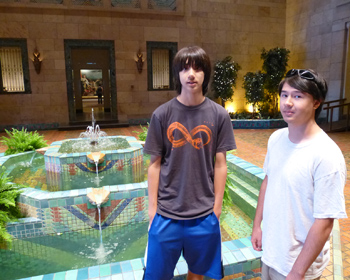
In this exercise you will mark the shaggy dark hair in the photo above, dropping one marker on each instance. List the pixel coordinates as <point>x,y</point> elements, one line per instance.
<point>195,57</point>
<point>316,87</point>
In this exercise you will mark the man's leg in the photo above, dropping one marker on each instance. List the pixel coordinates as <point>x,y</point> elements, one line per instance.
<point>192,276</point>
<point>163,249</point>
<point>202,247</point>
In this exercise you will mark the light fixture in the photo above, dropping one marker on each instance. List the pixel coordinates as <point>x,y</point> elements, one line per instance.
<point>37,60</point>
<point>139,61</point>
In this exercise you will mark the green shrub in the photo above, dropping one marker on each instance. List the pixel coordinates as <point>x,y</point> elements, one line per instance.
<point>225,78</point>
<point>142,135</point>
<point>9,211</point>
<point>20,141</point>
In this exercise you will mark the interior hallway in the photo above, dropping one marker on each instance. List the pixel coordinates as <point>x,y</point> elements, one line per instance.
<point>252,146</point>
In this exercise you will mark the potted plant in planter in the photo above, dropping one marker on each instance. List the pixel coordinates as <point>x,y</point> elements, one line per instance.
<point>253,83</point>
<point>274,66</point>
<point>225,76</point>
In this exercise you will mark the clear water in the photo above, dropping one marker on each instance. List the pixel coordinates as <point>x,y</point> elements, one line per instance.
<point>84,145</point>
<point>32,173</point>
<point>54,253</point>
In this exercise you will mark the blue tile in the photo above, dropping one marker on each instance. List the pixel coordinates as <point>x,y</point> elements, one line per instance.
<point>94,271</point>
<point>257,254</point>
<point>231,246</point>
<point>49,276</point>
<point>126,266</point>
<point>239,244</point>
<point>239,256</point>
<point>116,268</point>
<point>129,276</point>
<point>228,270</point>
<point>72,274</point>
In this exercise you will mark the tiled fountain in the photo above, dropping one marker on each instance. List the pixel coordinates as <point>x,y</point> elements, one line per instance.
<point>57,209</point>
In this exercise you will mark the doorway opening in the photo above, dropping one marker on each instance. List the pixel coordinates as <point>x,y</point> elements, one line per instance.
<point>91,81</point>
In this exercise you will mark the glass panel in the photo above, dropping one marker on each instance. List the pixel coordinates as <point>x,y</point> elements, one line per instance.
<point>12,69</point>
<point>126,3</point>
<point>162,5</point>
<point>160,68</point>
<point>47,1</point>
<point>87,2</point>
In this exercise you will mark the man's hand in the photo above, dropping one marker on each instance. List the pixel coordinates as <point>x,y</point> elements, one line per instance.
<point>151,214</point>
<point>256,238</point>
<point>217,212</point>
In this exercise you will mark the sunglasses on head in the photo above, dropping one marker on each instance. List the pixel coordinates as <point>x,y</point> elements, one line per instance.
<point>305,74</point>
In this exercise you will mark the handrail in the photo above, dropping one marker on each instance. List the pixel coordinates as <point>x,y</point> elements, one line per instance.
<point>337,100</point>
<point>341,101</point>
<point>331,118</point>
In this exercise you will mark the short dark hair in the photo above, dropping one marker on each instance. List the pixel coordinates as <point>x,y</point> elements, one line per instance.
<point>194,56</point>
<point>316,87</point>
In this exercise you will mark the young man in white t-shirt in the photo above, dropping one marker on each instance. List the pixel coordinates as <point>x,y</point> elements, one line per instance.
<point>303,191</point>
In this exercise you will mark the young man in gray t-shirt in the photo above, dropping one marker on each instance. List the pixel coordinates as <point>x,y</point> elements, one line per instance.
<point>187,139</point>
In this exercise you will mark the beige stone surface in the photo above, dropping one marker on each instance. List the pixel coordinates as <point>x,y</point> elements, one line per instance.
<point>313,30</point>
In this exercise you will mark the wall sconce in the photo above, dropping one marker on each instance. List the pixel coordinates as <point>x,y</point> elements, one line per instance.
<point>139,61</point>
<point>37,60</point>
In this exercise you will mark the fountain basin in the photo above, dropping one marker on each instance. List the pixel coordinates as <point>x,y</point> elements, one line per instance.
<point>63,168</point>
<point>66,211</point>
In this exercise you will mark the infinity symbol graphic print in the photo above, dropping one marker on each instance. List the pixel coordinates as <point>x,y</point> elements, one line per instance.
<point>188,137</point>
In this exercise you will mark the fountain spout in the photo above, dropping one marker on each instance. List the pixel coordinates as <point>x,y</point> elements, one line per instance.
<point>98,196</point>
<point>96,157</point>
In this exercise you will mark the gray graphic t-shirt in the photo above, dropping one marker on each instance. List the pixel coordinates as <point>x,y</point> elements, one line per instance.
<point>188,138</point>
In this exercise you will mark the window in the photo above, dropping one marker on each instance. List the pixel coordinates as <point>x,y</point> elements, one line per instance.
<point>160,57</point>
<point>14,68</point>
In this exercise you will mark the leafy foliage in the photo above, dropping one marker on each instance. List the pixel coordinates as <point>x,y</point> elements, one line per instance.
<point>254,88</point>
<point>275,66</point>
<point>225,76</point>
<point>8,209</point>
<point>20,141</point>
<point>142,135</point>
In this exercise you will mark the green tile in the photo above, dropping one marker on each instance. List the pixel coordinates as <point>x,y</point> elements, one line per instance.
<point>78,200</point>
<point>61,202</point>
<point>72,274</point>
<point>105,270</point>
<point>247,266</point>
<point>256,264</point>
<point>60,276</point>
<point>53,203</point>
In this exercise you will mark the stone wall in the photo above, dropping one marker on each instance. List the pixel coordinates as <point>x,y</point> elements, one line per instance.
<point>222,27</point>
<point>316,34</point>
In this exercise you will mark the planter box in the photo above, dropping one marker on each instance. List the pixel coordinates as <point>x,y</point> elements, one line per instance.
<point>258,124</point>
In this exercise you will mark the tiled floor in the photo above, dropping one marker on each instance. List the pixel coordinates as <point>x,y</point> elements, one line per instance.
<point>252,148</point>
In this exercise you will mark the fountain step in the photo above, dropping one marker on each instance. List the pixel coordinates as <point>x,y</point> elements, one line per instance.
<point>102,124</point>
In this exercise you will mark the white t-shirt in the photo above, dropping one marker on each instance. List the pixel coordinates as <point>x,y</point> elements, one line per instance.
<point>305,181</point>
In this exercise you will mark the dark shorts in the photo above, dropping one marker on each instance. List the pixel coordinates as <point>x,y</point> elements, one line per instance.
<point>199,240</point>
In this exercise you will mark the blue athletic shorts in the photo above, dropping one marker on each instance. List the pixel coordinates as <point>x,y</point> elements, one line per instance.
<point>199,240</point>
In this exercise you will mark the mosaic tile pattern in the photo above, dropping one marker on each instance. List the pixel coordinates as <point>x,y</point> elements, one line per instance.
<point>258,124</point>
<point>65,211</point>
<point>240,261</point>
<point>251,147</point>
<point>61,168</point>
